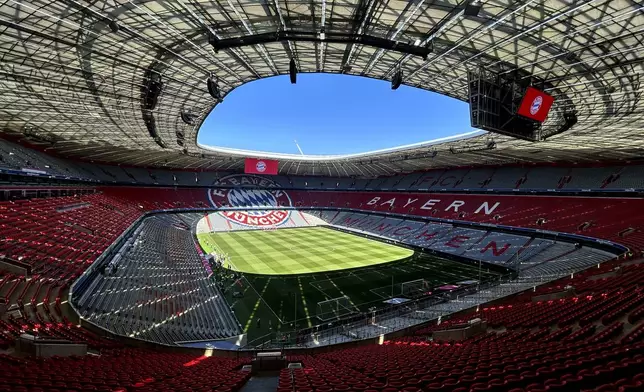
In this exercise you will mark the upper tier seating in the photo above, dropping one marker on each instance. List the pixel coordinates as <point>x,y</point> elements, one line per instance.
<point>60,237</point>
<point>16,157</point>
<point>606,218</point>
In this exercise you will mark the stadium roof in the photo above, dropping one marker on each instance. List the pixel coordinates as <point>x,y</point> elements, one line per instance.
<point>79,77</point>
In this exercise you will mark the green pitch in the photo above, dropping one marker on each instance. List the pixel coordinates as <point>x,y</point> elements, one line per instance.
<point>299,250</point>
<point>286,273</point>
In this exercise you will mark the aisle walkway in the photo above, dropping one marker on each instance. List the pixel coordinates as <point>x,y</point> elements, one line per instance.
<point>265,382</point>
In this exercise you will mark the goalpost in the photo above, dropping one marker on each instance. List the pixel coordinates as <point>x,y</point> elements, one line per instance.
<point>414,288</point>
<point>334,308</point>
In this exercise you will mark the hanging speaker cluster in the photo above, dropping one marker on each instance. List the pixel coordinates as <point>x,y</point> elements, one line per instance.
<point>114,26</point>
<point>472,8</point>
<point>152,90</point>
<point>213,88</point>
<point>150,124</point>
<point>180,138</point>
<point>292,70</point>
<point>396,81</point>
<point>570,119</point>
<point>188,118</point>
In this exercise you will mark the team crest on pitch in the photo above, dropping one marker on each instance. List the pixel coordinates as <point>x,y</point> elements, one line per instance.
<point>253,192</point>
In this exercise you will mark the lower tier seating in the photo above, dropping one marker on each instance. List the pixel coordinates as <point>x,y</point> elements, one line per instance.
<point>157,289</point>
<point>509,362</point>
<point>534,257</point>
<point>123,370</point>
<point>57,238</point>
<point>591,340</point>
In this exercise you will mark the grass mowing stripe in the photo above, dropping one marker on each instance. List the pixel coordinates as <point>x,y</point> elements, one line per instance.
<point>257,305</point>
<point>299,251</point>
<point>252,261</point>
<point>242,252</point>
<point>288,259</point>
<point>303,298</point>
<point>295,254</point>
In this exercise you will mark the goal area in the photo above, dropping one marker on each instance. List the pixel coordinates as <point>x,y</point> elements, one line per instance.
<point>414,288</point>
<point>335,308</point>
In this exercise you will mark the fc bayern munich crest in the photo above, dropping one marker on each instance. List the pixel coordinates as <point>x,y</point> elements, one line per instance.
<point>536,105</point>
<point>252,192</point>
<point>260,166</point>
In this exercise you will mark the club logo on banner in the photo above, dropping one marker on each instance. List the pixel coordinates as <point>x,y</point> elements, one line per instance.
<point>246,194</point>
<point>260,166</point>
<point>536,105</point>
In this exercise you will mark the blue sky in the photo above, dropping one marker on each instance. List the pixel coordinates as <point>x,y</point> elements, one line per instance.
<point>330,114</point>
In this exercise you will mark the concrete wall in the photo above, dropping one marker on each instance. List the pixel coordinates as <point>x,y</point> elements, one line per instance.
<point>49,348</point>
<point>473,329</point>
<point>15,267</point>
<point>554,296</point>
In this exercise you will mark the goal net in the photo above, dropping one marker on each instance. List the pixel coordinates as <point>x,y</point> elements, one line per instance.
<point>334,308</point>
<point>414,288</point>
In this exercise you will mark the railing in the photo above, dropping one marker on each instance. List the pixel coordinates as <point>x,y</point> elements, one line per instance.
<point>370,324</point>
<point>258,342</point>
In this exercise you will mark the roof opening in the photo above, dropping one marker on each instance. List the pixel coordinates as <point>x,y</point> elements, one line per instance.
<point>330,114</point>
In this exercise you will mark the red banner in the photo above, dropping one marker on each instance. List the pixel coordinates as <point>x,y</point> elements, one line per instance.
<point>261,166</point>
<point>536,104</point>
